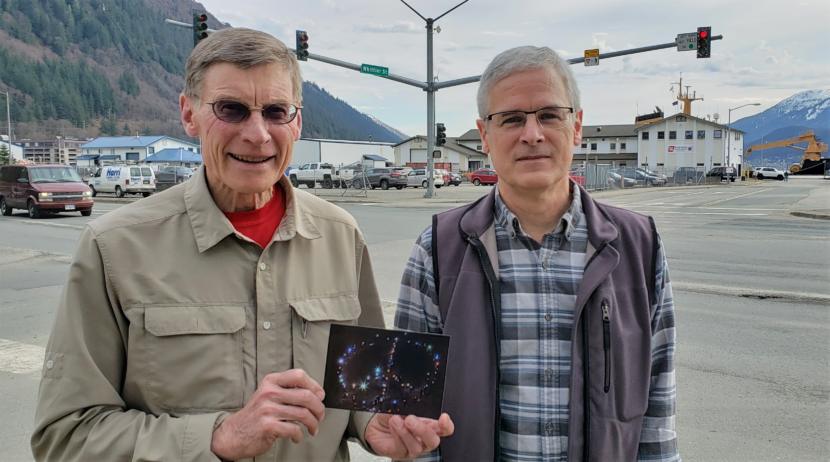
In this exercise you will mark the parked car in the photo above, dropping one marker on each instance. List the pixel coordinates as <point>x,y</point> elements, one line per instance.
<point>641,176</point>
<point>124,179</point>
<point>769,172</point>
<point>615,180</point>
<point>685,175</point>
<point>484,176</point>
<point>455,179</point>
<point>386,177</point>
<point>315,172</point>
<point>418,177</point>
<point>43,189</point>
<point>722,173</point>
<point>173,174</point>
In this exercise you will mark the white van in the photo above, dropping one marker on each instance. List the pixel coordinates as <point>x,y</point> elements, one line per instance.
<point>124,179</point>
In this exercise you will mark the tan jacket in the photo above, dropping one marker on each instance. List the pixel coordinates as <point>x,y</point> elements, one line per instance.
<point>170,319</point>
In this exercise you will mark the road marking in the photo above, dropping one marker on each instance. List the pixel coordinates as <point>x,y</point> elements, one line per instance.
<point>20,358</point>
<point>735,197</point>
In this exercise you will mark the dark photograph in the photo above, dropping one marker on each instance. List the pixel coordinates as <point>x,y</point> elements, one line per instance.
<point>387,371</point>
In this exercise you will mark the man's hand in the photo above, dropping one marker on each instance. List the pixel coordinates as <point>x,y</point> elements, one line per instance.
<point>283,403</point>
<point>398,438</point>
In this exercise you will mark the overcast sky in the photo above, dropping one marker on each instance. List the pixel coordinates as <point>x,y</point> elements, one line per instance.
<point>770,50</point>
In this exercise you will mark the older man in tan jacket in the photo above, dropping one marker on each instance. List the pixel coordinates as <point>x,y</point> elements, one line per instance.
<point>194,323</point>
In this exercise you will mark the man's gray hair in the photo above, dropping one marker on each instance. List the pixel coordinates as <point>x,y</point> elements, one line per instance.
<point>525,58</point>
<point>244,48</point>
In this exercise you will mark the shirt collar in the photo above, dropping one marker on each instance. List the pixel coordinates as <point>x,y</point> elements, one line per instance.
<point>210,225</point>
<point>505,218</point>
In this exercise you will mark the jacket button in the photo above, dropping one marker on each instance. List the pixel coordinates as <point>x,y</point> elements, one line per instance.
<point>263,267</point>
<point>548,317</point>
<point>266,325</point>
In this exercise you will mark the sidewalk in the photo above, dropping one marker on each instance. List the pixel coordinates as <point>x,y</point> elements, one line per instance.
<point>817,204</point>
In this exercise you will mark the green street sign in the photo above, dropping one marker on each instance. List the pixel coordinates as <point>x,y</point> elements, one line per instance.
<point>374,70</point>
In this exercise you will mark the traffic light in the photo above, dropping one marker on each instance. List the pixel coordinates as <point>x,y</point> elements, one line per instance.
<point>704,42</point>
<point>302,45</point>
<point>440,134</point>
<point>200,27</point>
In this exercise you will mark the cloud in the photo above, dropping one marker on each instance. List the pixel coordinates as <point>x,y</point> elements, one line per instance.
<point>400,27</point>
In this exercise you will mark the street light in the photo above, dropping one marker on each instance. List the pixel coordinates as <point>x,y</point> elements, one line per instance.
<point>729,133</point>
<point>9,120</point>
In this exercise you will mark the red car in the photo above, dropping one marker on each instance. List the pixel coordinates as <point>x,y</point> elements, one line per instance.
<point>42,189</point>
<point>484,176</point>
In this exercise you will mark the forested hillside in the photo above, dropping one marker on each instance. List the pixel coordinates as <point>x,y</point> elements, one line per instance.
<point>88,67</point>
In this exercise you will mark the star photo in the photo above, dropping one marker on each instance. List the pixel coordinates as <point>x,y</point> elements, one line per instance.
<point>387,371</point>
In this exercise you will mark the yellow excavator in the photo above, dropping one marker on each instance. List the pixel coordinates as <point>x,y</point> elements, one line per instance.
<point>811,163</point>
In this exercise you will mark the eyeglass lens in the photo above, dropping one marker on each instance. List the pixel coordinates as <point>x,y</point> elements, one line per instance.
<point>235,112</point>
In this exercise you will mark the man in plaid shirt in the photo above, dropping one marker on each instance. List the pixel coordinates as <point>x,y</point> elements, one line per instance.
<point>575,359</point>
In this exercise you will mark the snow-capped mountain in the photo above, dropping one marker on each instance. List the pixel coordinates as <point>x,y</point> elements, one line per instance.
<point>806,110</point>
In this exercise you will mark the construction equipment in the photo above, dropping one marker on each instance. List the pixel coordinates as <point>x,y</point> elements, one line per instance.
<point>811,163</point>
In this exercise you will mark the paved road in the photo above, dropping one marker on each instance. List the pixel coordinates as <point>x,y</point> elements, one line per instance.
<point>751,285</point>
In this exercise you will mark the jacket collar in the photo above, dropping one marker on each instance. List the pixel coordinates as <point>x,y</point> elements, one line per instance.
<point>210,225</point>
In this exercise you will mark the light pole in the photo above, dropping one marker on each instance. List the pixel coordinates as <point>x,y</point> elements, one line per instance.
<point>9,121</point>
<point>729,133</point>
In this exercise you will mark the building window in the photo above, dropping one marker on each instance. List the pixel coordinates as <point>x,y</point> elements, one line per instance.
<point>613,146</point>
<point>151,150</point>
<point>690,135</point>
<point>660,164</point>
<point>645,136</point>
<point>680,118</point>
<point>737,136</point>
<point>584,145</point>
<point>622,146</point>
<point>717,134</point>
<point>701,134</point>
<point>478,148</point>
<point>661,135</point>
<point>672,135</point>
<point>593,146</point>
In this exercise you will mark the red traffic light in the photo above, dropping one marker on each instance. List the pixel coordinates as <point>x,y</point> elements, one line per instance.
<point>202,17</point>
<point>703,34</point>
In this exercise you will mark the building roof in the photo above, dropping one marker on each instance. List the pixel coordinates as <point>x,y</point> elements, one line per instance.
<point>174,155</point>
<point>608,131</point>
<point>128,141</point>
<point>375,157</point>
<point>470,135</point>
<point>715,124</point>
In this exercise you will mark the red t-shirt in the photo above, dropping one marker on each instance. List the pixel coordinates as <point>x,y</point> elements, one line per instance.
<point>259,225</point>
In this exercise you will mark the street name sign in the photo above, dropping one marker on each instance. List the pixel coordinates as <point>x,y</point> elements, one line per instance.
<point>374,70</point>
<point>686,42</point>
<point>592,57</point>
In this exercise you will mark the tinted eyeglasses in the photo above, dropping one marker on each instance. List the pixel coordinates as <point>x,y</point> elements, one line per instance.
<point>552,117</point>
<point>234,112</point>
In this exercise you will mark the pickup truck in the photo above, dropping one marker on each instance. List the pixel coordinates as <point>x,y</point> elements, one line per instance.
<point>315,172</point>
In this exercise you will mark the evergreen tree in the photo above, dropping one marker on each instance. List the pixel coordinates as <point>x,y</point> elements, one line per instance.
<point>5,157</point>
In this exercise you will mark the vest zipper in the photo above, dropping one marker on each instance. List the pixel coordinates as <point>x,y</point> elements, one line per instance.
<point>606,343</point>
<point>484,260</point>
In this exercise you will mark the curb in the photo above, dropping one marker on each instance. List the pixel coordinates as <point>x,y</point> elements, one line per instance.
<point>813,215</point>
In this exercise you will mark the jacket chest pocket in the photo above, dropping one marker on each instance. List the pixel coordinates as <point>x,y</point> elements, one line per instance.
<point>191,356</point>
<point>310,324</point>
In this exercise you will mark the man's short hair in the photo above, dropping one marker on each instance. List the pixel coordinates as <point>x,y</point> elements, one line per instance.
<point>244,48</point>
<point>520,59</point>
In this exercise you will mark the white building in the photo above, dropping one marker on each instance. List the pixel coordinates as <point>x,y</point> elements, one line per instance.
<point>608,144</point>
<point>132,149</point>
<point>687,141</point>
<point>340,152</point>
<point>462,153</point>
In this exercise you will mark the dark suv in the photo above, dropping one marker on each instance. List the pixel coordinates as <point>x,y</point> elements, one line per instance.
<point>386,177</point>
<point>42,189</point>
<point>721,174</point>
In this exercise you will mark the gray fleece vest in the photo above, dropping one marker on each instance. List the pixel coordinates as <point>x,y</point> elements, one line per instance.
<point>611,344</point>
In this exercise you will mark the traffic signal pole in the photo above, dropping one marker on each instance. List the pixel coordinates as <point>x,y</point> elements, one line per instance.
<point>430,86</point>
